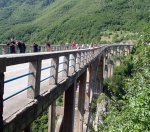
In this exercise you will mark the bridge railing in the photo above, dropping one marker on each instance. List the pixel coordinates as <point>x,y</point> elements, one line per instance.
<point>72,61</point>
<point>4,49</point>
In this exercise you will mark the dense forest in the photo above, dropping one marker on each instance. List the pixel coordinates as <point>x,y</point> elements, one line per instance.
<point>58,22</point>
<point>128,91</point>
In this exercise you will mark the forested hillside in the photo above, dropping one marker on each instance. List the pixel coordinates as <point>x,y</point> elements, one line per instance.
<point>59,21</point>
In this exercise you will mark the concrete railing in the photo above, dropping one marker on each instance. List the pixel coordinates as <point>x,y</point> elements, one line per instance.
<point>4,49</point>
<point>74,64</point>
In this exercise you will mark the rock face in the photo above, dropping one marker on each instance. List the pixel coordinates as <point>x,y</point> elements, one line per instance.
<point>100,113</point>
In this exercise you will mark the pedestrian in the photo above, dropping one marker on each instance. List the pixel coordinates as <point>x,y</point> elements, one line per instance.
<point>67,46</point>
<point>12,45</point>
<point>73,44</point>
<point>35,47</point>
<point>83,46</point>
<point>48,47</point>
<point>21,46</point>
<point>91,46</point>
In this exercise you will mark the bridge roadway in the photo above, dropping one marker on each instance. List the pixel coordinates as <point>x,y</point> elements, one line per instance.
<point>12,105</point>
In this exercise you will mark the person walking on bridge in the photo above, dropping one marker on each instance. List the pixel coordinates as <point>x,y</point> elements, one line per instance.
<point>48,47</point>
<point>12,45</point>
<point>35,47</point>
<point>21,46</point>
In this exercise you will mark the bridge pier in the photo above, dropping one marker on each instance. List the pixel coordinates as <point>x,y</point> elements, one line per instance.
<point>51,117</point>
<point>81,102</point>
<point>69,108</point>
<point>99,78</point>
<point>105,67</point>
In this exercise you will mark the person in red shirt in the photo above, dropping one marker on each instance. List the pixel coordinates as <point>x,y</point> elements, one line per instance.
<point>73,44</point>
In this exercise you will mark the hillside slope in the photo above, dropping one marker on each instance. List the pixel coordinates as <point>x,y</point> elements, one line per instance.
<point>60,21</point>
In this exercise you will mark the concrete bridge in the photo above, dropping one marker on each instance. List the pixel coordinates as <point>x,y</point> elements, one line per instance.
<point>79,77</point>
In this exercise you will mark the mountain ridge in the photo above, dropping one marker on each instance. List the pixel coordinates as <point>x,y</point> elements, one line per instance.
<point>60,21</point>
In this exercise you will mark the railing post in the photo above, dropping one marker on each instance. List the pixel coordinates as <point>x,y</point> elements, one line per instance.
<point>54,71</point>
<point>78,59</point>
<point>82,60</point>
<point>34,79</point>
<point>72,63</point>
<point>4,49</point>
<point>65,66</point>
<point>88,56</point>
<point>85,58</point>
<point>2,70</point>
<point>69,108</point>
<point>31,49</point>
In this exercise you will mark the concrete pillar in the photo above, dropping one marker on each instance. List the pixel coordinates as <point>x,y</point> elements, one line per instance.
<point>2,70</point>
<point>99,78</point>
<point>30,49</point>
<point>51,117</point>
<point>59,125</point>
<point>114,50</point>
<point>65,66</point>
<point>34,79</point>
<point>69,108</point>
<point>105,68</point>
<point>118,52</point>
<point>85,58</point>
<point>126,51</point>
<point>121,50</point>
<point>112,68</point>
<point>81,102</point>
<point>118,61</point>
<point>54,71</point>
<point>82,60</point>
<point>108,64</point>
<point>87,95</point>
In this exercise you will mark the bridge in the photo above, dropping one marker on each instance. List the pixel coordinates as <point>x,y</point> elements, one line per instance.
<point>76,74</point>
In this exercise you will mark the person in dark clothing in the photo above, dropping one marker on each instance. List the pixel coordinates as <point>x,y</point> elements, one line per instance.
<point>12,45</point>
<point>35,47</point>
<point>21,46</point>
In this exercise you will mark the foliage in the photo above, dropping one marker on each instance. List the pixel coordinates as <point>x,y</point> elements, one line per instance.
<point>65,21</point>
<point>41,123</point>
<point>131,110</point>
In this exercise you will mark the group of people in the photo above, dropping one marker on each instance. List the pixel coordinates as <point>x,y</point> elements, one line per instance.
<point>37,48</point>
<point>12,44</point>
<point>83,46</point>
<point>22,47</point>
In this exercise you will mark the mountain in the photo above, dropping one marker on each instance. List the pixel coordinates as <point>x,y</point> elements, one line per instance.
<point>59,21</point>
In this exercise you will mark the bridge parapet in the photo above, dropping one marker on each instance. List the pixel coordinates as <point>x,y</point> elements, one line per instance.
<point>74,65</point>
